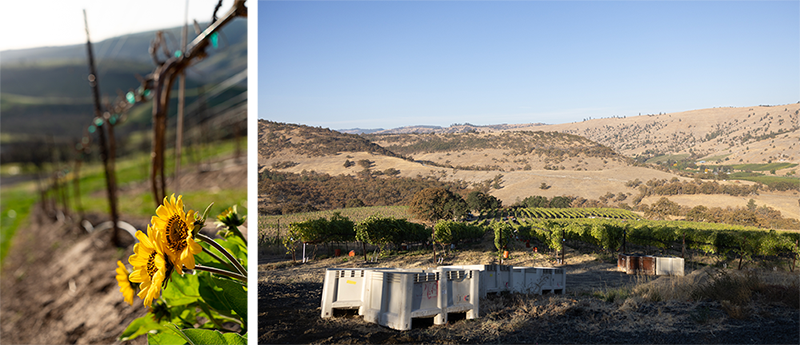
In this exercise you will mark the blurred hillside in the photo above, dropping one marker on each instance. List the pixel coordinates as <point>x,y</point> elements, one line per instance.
<point>44,91</point>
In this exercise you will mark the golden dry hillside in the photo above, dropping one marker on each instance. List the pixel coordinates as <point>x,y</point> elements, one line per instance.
<point>589,159</point>
<point>503,151</point>
<point>757,134</point>
<point>518,161</point>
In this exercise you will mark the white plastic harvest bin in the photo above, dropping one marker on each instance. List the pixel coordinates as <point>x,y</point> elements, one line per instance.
<point>494,278</point>
<point>557,282</point>
<point>537,280</point>
<point>343,288</point>
<point>461,289</point>
<point>669,266</point>
<point>394,297</point>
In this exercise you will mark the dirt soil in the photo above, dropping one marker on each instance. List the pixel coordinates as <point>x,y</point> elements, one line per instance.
<point>290,294</point>
<point>58,283</point>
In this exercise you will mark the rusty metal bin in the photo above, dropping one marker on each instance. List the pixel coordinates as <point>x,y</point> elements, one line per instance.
<point>622,262</point>
<point>632,264</point>
<point>647,265</point>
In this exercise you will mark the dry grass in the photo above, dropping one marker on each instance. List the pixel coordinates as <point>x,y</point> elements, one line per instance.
<point>705,301</point>
<point>676,128</point>
<point>785,202</point>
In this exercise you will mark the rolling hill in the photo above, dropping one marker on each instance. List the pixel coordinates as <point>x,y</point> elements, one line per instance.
<point>758,134</point>
<point>518,162</point>
<point>590,160</point>
<point>44,91</point>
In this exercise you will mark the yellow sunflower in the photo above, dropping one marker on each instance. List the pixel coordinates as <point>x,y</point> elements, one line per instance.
<point>150,268</point>
<point>124,283</point>
<point>175,230</point>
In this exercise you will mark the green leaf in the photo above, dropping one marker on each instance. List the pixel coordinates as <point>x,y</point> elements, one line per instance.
<point>213,337</point>
<point>236,247</point>
<point>140,326</point>
<point>182,290</point>
<point>224,295</point>
<point>165,338</point>
<point>204,259</point>
<point>250,338</point>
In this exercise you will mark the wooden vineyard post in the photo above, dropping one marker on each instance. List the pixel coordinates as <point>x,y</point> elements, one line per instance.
<point>104,152</point>
<point>625,241</point>
<point>238,148</point>
<point>76,184</point>
<point>683,246</point>
<point>433,244</point>
<point>741,252</point>
<point>181,104</point>
<point>563,246</point>
<point>163,78</point>
<point>795,254</point>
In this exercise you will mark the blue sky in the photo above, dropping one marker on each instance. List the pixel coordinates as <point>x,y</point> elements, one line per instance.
<point>59,22</point>
<point>389,64</point>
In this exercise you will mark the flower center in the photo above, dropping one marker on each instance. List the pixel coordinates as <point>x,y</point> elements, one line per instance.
<point>151,265</point>
<point>176,233</point>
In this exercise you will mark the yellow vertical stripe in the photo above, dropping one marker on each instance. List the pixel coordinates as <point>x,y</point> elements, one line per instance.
<point>251,65</point>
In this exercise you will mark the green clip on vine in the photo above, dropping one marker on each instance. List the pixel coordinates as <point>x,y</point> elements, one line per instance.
<point>195,286</point>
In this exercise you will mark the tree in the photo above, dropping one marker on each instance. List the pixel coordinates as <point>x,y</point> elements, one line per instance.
<point>662,208</point>
<point>497,181</point>
<point>432,204</point>
<point>391,172</point>
<point>697,214</point>
<point>365,163</point>
<point>751,205</point>
<point>536,201</point>
<point>478,200</point>
<point>560,202</point>
<point>356,202</point>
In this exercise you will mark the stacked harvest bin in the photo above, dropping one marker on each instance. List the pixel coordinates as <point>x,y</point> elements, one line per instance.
<point>502,278</point>
<point>393,297</point>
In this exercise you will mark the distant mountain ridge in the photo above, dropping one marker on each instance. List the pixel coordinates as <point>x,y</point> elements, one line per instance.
<point>278,139</point>
<point>359,130</point>
<point>452,129</point>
